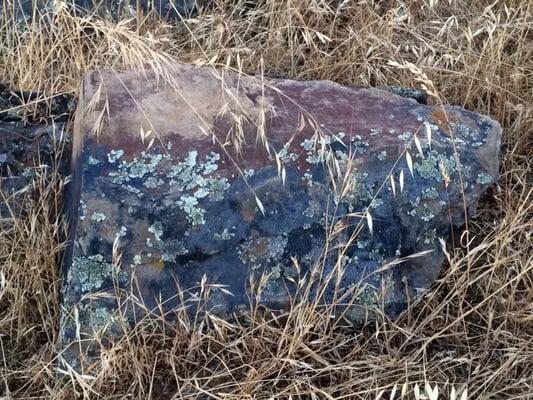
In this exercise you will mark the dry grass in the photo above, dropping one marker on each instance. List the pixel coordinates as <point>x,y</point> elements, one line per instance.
<point>472,330</point>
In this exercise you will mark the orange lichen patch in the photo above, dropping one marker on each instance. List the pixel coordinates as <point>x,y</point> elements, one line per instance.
<point>442,120</point>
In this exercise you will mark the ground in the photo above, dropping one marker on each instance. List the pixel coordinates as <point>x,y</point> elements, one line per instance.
<point>471,331</point>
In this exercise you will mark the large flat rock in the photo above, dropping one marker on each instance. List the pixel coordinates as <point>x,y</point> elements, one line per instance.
<point>195,178</point>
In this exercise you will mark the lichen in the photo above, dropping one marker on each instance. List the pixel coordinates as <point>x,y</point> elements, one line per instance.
<point>313,210</point>
<point>358,193</point>
<point>286,156</point>
<point>428,166</point>
<point>430,193</point>
<point>157,230</point>
<point>195,214</point>
<point>226,234</point>
<point>484,178</point>
<point>98,217</point>
<point>359,146</point>
<point>114,155</point>
<point>261,251</point>
<point>92,271</point>
<point>93,161</point>
<point>430,236</point>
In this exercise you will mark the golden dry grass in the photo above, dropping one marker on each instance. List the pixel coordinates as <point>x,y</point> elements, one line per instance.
<point>472,330</point>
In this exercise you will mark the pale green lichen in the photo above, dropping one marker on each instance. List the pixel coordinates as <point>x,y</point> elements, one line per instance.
<point>93,161</point>
<point>98,217</point>
<point>225,235</point>
<point>190,175</point>
<point>195,214</point>
<point>484,179</point>
<point>366,297</point>
<point>138,168</point>
<point>430,236</point>
<point>276,246</point>
<point>357,192</point>
<point>114,155</point>
<point>122,232</point>
<point>92,272</point>
<point>153,182</point>
<point>286,156</point>
<point>427,213</point>
<point>359,146</point>
<point>157,230</point>
<point>313,210</point>
<point>82,210</point>
<point>261,251</point>
<point>430,193</point>
<point>248,173</point>
<point>405,136</point>
<point>429,166</point>
<point>308,145</point>
<point>376,202</point>
<point>171,249</point>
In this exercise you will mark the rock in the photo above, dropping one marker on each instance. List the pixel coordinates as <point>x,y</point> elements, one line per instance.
<point>31,148</point>
<point>211,179</point>
<point>172,9</point>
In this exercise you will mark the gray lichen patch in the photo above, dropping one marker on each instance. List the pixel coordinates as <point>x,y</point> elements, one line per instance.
<point>93,271</point>
<point>259,252</point>
<point>429,167</point>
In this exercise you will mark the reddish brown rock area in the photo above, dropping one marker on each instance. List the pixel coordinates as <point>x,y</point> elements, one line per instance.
<point>193,177</point>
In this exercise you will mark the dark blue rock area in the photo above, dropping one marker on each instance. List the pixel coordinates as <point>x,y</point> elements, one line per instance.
<point>116,9</point>
<point>34,145</point>
<point>345,189</point>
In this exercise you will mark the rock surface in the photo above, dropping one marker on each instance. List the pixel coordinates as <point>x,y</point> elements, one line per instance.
<point>204,177</point>
<point>31,148</point>
<point>172,9</point>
